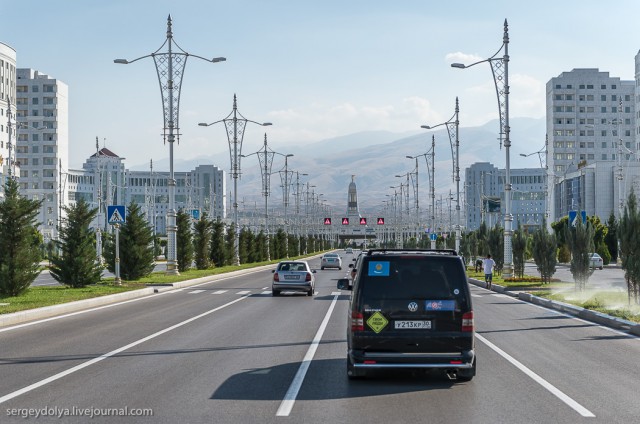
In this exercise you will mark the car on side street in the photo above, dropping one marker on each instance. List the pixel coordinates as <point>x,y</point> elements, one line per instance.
<point>330,260</point>
<point>596,261</point>
<point>293,276</point>
<point>348,250</point>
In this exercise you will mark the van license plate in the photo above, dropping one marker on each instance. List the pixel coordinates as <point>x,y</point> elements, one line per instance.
<point>410,325</point>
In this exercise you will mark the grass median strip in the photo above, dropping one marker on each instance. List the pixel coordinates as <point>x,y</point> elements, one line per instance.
<point>41,296</point>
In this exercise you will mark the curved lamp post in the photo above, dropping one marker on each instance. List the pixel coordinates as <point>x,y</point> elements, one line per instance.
<point>452,129</point>
<point>500,72</point>
<point>235,134</point>
<point>170,69</point>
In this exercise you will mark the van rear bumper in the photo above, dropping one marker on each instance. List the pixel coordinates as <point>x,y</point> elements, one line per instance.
<point>445,360</point>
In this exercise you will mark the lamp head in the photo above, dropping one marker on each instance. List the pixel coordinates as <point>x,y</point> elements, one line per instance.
<point>203,124</point>
<point>218,59</point>
<point>121,61</point>
<point>266,124</point>
<point>426,127</point>
<point>458,65</point>
<point>523,155</point>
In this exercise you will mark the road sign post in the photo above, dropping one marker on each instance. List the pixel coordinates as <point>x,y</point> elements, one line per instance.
<point>117,214</point>
<point>117,281</point>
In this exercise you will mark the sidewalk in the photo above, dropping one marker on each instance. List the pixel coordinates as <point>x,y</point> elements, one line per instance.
<point>586,314</point>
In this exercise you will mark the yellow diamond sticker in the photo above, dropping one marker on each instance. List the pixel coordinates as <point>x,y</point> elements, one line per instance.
<point>377,322</point>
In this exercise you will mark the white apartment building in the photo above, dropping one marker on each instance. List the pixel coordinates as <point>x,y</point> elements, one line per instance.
<point>42,148</point>
<point>103,181</point>
<point>591,119</point>
<point>7,113</point>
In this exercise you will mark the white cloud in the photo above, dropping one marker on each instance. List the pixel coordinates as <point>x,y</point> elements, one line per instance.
<point>459,57</point>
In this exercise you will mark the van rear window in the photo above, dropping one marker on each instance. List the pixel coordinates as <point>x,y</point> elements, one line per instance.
<point>426,277</point>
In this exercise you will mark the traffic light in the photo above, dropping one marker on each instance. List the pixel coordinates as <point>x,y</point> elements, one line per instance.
<point>327,221</point>
<point>363,221</point>
<point>345,221</point>
<point>380,221</point>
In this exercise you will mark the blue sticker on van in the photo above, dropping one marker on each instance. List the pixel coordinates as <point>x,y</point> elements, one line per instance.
<point>379,269</point>
<point>440,305</point>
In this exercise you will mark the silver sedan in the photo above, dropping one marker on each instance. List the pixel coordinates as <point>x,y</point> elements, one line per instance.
<point>331,260</point>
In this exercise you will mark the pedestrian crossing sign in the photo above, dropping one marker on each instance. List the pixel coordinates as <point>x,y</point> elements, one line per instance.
<point>117,214</point>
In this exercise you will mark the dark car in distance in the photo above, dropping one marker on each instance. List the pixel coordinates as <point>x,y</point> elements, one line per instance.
<point>410,309</point>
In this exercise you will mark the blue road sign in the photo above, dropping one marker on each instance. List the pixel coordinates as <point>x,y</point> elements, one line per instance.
<point>434,237</point>
<point>195,214</point>
<point>573,215</point>
<point>117,214</point>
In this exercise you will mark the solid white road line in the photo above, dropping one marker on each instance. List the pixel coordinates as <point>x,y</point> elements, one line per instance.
<point>290,397</point>
<point>112,353</point>
<point>544,383</point>
<point>266,292</point>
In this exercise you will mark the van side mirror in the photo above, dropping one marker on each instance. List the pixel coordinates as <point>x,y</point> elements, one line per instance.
<point>343,284</point>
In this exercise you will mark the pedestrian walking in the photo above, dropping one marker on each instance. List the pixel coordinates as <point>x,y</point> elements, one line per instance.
<point>488,265</point>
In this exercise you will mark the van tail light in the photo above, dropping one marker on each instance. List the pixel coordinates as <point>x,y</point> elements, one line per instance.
<point>308,277</point>
<point>357,321</point>
<point>276,277</point>
<point>468,324</point>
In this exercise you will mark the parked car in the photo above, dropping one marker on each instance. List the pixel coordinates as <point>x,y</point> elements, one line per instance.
<point>331,260</point>
<point>596,261</point>
<point>293,276</point>
<point>410,309</point>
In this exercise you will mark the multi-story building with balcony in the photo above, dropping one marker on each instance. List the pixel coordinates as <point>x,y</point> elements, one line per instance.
<point>42,148</point>
<point>7,114</point>
<point>591,124</point>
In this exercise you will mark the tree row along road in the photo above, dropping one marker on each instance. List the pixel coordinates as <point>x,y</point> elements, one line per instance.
<point>229,352</point>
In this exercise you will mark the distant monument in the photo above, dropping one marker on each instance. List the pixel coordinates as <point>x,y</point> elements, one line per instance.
<point>352,201</point>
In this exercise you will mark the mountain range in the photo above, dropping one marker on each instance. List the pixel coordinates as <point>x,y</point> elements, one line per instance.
<point>375,158</point>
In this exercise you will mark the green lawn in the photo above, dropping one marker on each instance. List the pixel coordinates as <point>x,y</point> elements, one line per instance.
<point>37,297</point>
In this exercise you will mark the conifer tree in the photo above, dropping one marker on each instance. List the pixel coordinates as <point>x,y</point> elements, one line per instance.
<point>136,246</point>
<point>495,244</point>
<point>630,247</point>
<point>519,246</point>
<point>544,252</point>
<point>611,239</point>
<point>230,245</point>
<point>580,241</point>
<point>19,255</point>
<point>184,241</point>
<point>202,242</point>
<point>218,251</point>
<point>76,265</point>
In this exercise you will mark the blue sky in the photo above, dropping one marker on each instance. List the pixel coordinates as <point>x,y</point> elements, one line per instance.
<point>316,69</point>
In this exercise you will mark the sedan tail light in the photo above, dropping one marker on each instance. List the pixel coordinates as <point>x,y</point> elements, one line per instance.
<point>308,277</point>
<point>468,323</point>
<point>357,321</point>
<point>276,277</point>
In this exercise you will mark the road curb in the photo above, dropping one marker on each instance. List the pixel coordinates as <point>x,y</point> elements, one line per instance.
<point>79,305</point>
<point>577,311</point>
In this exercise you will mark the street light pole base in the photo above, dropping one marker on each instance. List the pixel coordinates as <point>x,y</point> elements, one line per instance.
<point>172,269</point>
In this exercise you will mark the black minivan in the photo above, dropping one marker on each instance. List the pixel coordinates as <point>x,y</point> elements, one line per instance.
<point>410,309</point>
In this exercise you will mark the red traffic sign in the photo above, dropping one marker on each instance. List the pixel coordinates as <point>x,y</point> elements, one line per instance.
<point>327,221</point>
<point>363,221</point>
<point>380,221</point>
<point>345,221</point>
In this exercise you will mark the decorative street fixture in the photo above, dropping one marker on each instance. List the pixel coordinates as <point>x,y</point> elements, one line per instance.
<point>431,153</point>
<point>452,129</point>
<point>500,72</point>
<point>170,69</point>
<point>235,134</point>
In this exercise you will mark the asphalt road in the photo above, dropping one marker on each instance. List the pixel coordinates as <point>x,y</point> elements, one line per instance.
<point>228,352</point>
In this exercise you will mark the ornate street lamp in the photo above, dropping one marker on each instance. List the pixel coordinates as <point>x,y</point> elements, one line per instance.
<point>170,69</point>
<point>452,129</point>
<point>500,72</point>
<point>235,124</point>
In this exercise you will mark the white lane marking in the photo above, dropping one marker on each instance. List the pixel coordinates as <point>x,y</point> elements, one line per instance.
<point>475,295</point>
<point>264,288</point>
<point>196,291</point>
<point>266,292</point>
<point>544,383</point>
<point>112,353</point>
<point>290,397</point>
<point>336,293</point>
<point>220,291</point>
<point>244,292</point>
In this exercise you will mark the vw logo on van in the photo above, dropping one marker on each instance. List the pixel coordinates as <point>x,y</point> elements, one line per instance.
<point>413,306</point>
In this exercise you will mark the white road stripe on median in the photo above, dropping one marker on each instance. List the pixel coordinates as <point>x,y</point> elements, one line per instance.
<point>544,383</point>
<point>109,354</point>
<point>290,397</point>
